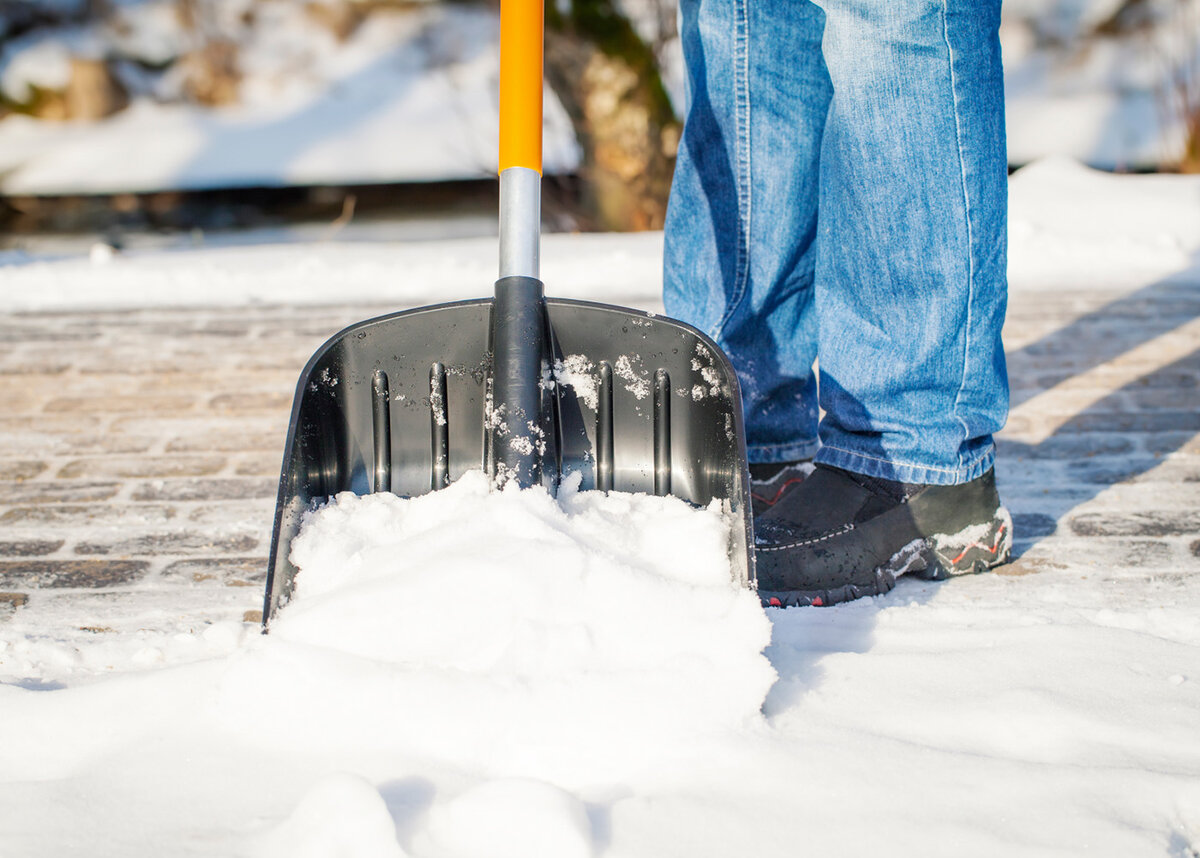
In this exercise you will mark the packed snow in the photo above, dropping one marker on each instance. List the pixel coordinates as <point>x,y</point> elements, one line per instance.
<point>1074,226</point>
<point>1070,227</point>
<point>613,617</point>
<point>614,268</point>
<point>475,673</point>
<point>577,373</point>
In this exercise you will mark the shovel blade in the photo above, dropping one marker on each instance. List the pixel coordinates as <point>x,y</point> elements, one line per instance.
<point>631,402</point>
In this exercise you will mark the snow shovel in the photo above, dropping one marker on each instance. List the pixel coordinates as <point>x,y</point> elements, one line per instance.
<point>531,389</point>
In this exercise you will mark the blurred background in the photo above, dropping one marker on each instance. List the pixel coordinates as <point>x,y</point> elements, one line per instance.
<point>195,117</point>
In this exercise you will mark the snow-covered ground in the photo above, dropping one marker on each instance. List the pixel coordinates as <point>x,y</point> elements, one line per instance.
<point>1070,227</point>
<point>475,674</point>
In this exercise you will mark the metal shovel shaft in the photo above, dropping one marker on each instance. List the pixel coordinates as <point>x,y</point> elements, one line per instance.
<point>520,222</point>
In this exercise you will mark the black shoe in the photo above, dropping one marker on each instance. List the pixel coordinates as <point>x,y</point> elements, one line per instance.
<point>771,483</point>
<point>839,536</point>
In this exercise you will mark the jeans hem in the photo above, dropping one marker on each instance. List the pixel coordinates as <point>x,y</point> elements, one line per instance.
<point>773,454</point>
<point>908,472</point>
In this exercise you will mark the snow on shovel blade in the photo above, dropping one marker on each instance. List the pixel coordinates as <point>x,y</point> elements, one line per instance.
<point>630,401</point>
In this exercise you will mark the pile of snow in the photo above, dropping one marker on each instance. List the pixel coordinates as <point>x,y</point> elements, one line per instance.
<point>1073,226</point>
<point>543,645</point>
<point>343,815</point>
<point>607,616</point>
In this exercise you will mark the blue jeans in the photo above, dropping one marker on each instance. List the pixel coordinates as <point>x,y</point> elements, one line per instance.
<point>841,197</point>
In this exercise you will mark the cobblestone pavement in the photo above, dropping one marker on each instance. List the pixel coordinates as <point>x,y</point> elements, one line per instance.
<point>139,450</point>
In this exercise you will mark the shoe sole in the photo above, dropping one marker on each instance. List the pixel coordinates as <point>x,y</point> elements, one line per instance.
<point>935,558</point>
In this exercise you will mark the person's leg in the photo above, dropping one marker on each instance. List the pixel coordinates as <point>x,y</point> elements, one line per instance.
<point>741,224</point>
<point>910,296</point>
<point>910,283</point>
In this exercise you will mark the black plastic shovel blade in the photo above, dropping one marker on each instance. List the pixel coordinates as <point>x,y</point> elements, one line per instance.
<point>631,401</point>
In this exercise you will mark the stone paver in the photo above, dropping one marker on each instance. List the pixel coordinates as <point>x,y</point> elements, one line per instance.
<point>1099,460</point>
<point>140,449</point>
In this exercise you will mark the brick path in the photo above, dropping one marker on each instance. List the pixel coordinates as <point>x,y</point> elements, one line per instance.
<point>142,449</point>
<point>139,450</point>
<point>1100,462</point>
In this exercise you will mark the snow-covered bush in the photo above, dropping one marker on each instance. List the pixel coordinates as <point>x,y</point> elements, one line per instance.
<point>1115,83</point>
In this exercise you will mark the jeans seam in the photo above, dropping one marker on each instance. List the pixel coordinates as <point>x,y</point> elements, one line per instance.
<point>896,463</point>
<point>966,196</point>
<point>741,84</point>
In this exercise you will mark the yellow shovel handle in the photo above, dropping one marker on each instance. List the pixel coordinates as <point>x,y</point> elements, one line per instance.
<point>521,84</point>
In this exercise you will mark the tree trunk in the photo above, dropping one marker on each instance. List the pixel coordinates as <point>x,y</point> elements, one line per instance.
<point>607,80</point>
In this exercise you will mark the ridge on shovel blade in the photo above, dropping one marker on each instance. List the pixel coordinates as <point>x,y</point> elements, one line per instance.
<point>402,403</point>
